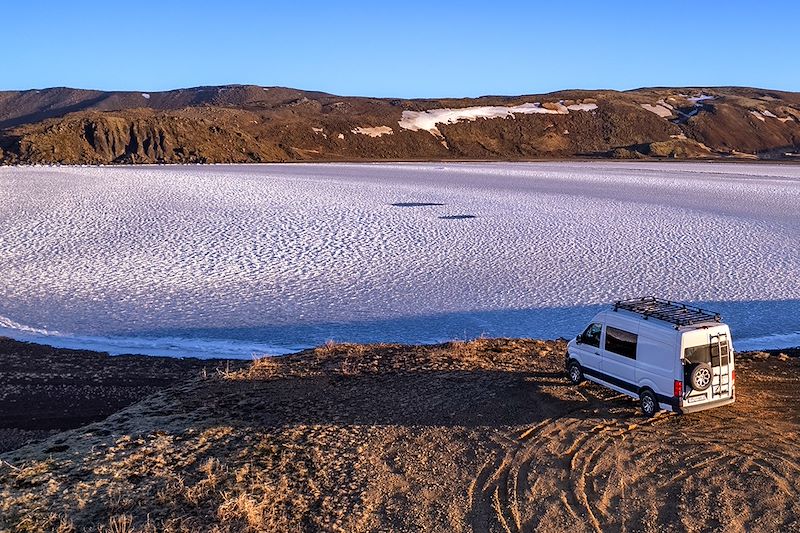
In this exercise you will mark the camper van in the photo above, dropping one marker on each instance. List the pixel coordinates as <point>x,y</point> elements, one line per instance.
<point>666,354</point>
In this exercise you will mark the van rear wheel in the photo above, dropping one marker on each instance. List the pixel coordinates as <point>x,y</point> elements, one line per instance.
<point>649,403</point>
<point>575,372</point>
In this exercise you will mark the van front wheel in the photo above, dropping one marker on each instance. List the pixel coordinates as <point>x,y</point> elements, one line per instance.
<point>649,403</point>
<point>575,372</point>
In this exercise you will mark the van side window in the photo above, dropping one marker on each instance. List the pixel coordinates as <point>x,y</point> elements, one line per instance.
<point>621,342</point>
<point>591,335</point>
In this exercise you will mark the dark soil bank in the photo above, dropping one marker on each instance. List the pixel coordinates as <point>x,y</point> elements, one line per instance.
<point>45,389</point>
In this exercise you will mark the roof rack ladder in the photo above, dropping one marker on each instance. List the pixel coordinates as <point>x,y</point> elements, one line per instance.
<point>723,357</point>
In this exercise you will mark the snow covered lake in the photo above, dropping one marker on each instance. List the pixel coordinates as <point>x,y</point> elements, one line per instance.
<point>236,260</point>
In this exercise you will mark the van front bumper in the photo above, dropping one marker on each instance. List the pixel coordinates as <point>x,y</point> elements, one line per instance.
<point>703,406</point>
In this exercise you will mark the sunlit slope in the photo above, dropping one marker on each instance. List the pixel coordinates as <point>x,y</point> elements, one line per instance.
<point>266,124</point>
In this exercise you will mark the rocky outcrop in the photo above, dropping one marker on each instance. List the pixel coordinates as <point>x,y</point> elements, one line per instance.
<point>678,148</point>
<point>139,137</point>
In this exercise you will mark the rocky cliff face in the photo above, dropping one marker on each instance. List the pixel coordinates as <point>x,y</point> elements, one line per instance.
<point>138,137</point>
<point>256,124</point>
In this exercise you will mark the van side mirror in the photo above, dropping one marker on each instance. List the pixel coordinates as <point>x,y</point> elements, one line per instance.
<point>579,339</point>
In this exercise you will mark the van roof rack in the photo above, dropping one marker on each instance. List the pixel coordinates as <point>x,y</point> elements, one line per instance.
<point>676,313</point>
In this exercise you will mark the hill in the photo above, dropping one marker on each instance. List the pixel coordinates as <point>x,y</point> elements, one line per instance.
<point>479,436</point>
<point>267,124</point>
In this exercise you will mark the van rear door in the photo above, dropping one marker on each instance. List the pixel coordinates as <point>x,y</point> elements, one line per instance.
<point>710,349</point>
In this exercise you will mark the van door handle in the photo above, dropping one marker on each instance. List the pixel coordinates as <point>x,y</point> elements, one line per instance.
<point>597,353</point>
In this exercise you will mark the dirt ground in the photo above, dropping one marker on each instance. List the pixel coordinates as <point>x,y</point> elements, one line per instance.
<point>479,436</point>
<point>46,389</point>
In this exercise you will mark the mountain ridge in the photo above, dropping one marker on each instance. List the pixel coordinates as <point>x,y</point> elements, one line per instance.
<point>248,123</point>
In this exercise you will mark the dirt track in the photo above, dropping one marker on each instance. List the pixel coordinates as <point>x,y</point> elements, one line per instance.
<point>483,436</point>
<point>607,469</point>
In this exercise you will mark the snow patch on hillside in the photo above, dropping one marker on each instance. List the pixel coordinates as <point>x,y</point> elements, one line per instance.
<point>427,120</point>
<point>582,107</point>
<point>701,98</point>
<point>659,109</point>
<point>760,114</point>
<point>375,131</point>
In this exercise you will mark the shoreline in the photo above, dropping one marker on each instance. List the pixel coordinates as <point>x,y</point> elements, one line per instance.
<point>791,160</point>
<point>200,349</point>
<point>48,389</point>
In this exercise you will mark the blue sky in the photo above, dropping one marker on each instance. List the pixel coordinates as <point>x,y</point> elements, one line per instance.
<point>404,49</point>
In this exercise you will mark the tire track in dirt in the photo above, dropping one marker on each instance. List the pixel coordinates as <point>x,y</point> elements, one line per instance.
<point>501,487</point>
<point>486,478</point>
<point>584,461</point>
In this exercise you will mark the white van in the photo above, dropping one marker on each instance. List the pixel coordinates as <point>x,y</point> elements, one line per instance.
<point>667,354</point>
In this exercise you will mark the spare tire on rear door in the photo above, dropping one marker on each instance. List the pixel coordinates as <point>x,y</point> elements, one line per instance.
<point>700,376</point>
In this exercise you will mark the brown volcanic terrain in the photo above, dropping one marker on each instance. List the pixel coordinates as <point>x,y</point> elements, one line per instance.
<point>479,436</point>
<point>257,124</point>
<point>48,389</point>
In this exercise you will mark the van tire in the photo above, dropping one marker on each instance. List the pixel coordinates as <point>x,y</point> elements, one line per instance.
<point>648,402</point>
<point>700,376</point>
<point>574,372</point>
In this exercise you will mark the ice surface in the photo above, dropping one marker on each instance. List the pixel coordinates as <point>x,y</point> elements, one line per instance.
<point>427,120</point>
<point>231,260</point>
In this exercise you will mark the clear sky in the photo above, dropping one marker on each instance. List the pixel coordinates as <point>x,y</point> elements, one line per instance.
<point>405,49</point>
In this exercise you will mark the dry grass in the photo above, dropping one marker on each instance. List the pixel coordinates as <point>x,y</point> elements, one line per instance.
<point>267,366</point>
<point>118,524</point>
<point>466,351</point>
<point>327,350</point>
<point>245,508</point>
<point>350,360</point>
<point>262,367</point>
<point>200,491</point>
<point>353,360</point>
<point>226,372</point>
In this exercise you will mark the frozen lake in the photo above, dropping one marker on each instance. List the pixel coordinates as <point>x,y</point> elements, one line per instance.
<point>235,260</point>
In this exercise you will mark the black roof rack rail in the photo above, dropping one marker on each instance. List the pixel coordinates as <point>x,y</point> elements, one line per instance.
<point>676,313</point>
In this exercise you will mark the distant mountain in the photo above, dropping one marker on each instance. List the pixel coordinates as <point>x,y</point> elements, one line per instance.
<point>237,123</point>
